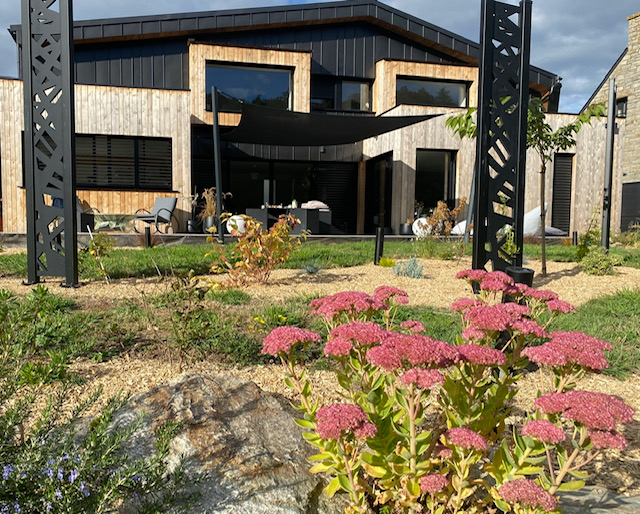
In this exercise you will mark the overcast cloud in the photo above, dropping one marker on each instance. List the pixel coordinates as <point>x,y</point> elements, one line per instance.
<point>576,39</point>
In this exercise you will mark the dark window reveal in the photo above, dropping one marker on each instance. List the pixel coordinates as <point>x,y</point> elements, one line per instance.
<point>268,87</point>
<point>121,162</point>
<point>431,92</point>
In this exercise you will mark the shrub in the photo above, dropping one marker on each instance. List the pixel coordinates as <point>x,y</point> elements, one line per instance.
<point>423,423</point>
<point>411,268</point>
<point>54,464</point>
<point>312,267</point>
<point>386,262</point>
<point>598,261</point>
<point>441,219</point>
<point>258,252</point>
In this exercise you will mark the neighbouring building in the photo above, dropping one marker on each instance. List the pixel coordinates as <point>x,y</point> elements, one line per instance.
<point>626,72</point>
<point>144,120</point>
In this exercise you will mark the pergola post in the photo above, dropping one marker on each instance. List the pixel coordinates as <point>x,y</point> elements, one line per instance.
<point>49,141</point>
<point>502,133</point>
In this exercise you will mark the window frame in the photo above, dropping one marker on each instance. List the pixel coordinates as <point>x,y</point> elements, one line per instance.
<point>433,80</point>
<point>137,161</point>
<point>247,66</point>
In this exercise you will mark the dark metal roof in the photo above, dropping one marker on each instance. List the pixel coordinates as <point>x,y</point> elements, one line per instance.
<point>141,27</point>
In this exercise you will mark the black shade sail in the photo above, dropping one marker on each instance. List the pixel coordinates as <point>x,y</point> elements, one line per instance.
<point>267,126</point>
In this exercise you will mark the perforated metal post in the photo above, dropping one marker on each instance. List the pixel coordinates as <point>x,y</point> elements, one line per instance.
<point>49,141</point>
<point>502,133</point>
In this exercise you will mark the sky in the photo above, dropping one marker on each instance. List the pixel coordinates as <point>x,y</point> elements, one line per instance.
<point>579,40</point>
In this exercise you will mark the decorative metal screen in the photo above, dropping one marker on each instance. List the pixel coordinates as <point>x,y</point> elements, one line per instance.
<point>47,57</point>
<point>502,134</point>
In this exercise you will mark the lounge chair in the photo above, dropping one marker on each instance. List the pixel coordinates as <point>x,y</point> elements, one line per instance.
<point>161,215</point>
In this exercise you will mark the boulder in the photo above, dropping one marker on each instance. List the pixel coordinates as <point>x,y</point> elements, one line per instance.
<point>238,441</point>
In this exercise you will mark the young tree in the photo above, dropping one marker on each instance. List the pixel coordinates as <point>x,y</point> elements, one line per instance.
<point>540,137</point>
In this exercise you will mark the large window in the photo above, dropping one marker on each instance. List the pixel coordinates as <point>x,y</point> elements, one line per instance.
<point>121,162</point>
<point>431,92</point>
<point>268,87</point>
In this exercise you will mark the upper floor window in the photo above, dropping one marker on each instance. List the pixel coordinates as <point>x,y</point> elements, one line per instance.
<point>621,108</point>
<point>330,93</point>
<point>355,96</point>
<point>431,92</point>
<point>268,87</point>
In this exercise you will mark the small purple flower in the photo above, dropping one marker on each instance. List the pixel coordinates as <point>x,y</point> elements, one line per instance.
<point>84,489</point>
<point>48,472</point>
<point>73,475</point>
<point>60,474</point>
<point>58,493</point>
<point>16,508</point>
<point>7,470</point>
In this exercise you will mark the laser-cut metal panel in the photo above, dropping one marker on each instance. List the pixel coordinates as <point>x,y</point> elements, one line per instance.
<point>502,133</point>
<point>49,139</point>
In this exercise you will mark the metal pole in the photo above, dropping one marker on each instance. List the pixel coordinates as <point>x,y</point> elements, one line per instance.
<point>216,162</point>
<point>608,170</point>
<point>379,245</point>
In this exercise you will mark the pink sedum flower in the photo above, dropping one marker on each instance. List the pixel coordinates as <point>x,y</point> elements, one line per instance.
<point>334,420</point>
<point>464,304</point>
<point>338,347</point>
<point>365,333</point>
<point>542,295</point>
<point>442,451</point>
<point>473,334</point>
<point>608,439</point>
<point>422,350</point>
<point>495,286</point>
<point>528,493</point>
<point>597,411</point>
<point>389,294</point>
<point>500,276</point>
<point>423,378</point>
<point>385,356</point>
<point>412,326</point>
<point>282,339</point>
<point>351,303</point>
<point>472,275</point>
<point>477,354</point>
<point>492,318</point>
<point>545,355</point>
<point>466,438</point>
<point>528,327</point>
<point>434,483</point>
<point>543,430</point>
<point>571,347</point>
<point>558,306</point>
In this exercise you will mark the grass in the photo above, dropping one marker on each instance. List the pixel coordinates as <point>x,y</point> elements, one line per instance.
<point>229,323</point>
<point>613,318</point>
<point>179,260</point>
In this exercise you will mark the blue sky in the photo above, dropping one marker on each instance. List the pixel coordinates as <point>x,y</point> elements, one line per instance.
<point>576,39</point>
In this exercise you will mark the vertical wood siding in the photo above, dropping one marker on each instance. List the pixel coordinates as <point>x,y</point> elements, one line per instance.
<point>102,110</point>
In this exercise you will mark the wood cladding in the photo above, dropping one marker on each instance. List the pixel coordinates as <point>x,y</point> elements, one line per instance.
<point>102,110</point>
<point>199,54</point>
<point>588,177</point>
<point>388,71</point>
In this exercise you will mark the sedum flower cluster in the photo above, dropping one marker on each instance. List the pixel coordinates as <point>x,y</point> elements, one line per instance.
<point>423,423</point>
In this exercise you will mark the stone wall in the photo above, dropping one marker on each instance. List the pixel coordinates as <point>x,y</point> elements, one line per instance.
<point>627,75</point>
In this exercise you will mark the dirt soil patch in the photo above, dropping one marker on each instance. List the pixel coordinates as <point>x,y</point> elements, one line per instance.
<point>439,288</point>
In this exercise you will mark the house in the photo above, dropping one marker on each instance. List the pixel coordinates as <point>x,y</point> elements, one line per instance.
<point>626,72</point>
<point>144,120</point>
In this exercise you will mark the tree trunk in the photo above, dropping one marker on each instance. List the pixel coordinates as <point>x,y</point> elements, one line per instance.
<point>543,214</point>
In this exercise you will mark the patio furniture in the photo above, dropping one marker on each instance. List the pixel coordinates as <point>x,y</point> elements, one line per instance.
<point>161,216</point>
